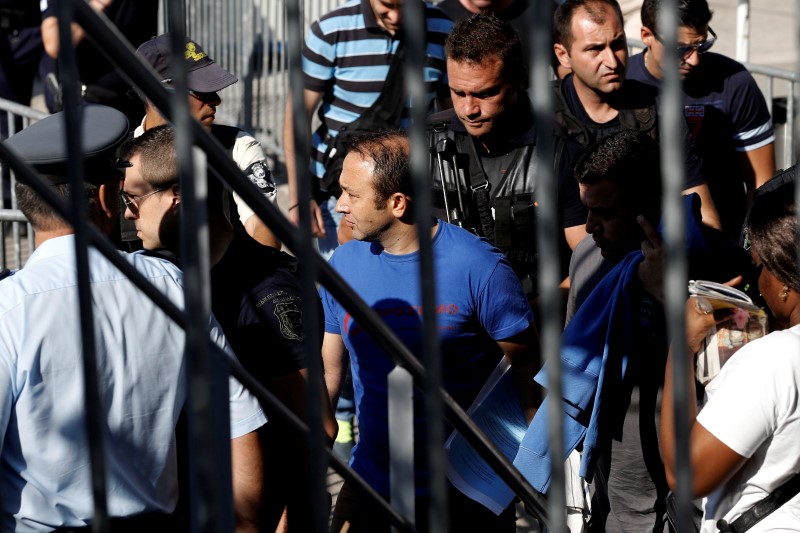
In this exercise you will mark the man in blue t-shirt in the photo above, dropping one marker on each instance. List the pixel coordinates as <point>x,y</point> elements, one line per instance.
<point>724,108</point>
<point>482,314</point>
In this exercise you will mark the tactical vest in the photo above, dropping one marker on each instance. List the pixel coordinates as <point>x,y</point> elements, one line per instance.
<point>506,213</point>
<point>568,127</point>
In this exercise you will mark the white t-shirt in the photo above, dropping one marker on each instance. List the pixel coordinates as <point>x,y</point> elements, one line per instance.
<point>753,407</point>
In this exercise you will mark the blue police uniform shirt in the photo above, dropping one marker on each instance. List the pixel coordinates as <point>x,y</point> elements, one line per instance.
<point>141,368</point>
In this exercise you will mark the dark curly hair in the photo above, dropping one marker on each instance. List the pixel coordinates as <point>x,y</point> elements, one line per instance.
<point>773,233</point>
<point>484,37</point>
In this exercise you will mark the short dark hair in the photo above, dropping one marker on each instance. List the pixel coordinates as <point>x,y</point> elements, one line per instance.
<point>484,37</point>
<point>693,14</point>
<point>157,157</point>
<point>43,217</point>
<point>773,233</point>
<point>562,20</point>
<point>631,160</point>
<point>390,151</point>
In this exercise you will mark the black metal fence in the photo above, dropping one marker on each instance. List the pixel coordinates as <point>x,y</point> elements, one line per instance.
<point>264,51</point>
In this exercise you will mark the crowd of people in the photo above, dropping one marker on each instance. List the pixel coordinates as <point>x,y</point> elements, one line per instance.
<point>618,388</point>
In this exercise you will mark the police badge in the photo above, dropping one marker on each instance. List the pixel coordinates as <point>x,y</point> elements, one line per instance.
<point>290,319</point>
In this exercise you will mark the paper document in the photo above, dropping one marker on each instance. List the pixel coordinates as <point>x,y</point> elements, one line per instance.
<point>498,414</point>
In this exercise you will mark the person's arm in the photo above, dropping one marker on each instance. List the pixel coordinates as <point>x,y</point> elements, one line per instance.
<point>259,231</point>
<point>522,351</point>
<point>247,469</point>
<point>574,235</point>
<point>290,389</point>
<point>49,28</point>
<point>311,99</point>
<point>333,359</point>
<point>651,271</point>
<point>758,165</point>
<point>707,208</point>
<point>711,461</point>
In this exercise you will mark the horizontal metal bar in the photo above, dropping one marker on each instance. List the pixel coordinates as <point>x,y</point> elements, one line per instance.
<point>12,215</point>
<point>21,110</point>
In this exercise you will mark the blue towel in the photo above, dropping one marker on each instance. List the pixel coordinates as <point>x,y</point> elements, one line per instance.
<point>595,355</point>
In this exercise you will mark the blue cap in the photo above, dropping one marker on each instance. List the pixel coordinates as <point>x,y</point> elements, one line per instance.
<point>203,75</point>
<point>43,145</point>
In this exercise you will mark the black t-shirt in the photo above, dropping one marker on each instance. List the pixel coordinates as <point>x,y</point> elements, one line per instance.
<point>255,296</point>
<point>632,95</point>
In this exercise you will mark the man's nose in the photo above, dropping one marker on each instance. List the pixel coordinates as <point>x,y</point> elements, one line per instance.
<point>128,213</point>
<point>610,59</point>
<point>591,224</point>
<point>341,205</point>
<point>470,107</point>
<point>692,58</point>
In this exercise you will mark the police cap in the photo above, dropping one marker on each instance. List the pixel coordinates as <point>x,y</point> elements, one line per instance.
<point>43,145</point>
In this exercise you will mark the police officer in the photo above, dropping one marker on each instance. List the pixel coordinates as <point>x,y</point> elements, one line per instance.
<point>140,361</point>
<point>485,147</point>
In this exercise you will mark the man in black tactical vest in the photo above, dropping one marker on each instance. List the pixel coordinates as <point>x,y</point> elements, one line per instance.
<point>484,152</point>
<point>595,101</point>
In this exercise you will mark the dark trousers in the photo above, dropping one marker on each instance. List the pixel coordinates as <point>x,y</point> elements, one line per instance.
<point>355,513</point>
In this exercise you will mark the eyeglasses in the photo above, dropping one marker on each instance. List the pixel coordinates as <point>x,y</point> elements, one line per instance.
<point>133,202</point>
<point>702,47</point>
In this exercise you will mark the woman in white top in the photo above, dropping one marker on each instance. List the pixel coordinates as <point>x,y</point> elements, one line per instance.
<point>745,442</point>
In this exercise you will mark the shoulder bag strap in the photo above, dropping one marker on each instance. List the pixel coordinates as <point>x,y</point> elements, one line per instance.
<point>762,509</point>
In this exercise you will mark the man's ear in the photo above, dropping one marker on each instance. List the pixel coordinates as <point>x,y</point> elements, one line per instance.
<point>108,203</point>
<point>400,205</point>
<point>562,55</point>
<point>647,37</point>
<point>176,195</point>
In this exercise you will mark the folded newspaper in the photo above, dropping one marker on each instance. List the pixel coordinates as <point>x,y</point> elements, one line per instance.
<point>747,323</point>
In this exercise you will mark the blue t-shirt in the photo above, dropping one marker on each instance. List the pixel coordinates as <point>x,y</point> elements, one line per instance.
<point>726,113</point>
<point>479,300</point>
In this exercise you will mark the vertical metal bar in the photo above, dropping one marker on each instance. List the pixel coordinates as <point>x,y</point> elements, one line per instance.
<point>743,31</point>
<point>790,115</point>
<point>78,203</point>
<point>675,272</point>
<point>207,403</point>
<point>400,396</point>
<point>790,144</point>
<point>414,30</point>
<point>540,49</point>
<point>308,270</point>
<point>16,234</point>
<point>770,93</point>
